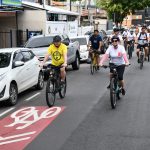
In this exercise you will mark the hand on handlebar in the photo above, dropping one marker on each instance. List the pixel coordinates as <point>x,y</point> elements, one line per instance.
<point>64,65</point>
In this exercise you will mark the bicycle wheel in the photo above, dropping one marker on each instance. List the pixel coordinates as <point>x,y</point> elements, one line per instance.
<point>62,91</point>
<point>50,93</point>
<point>113,96</point>
<point>130,52</point>
<point>141,61</point>
<point>148,55</point>
<point>92,68</point>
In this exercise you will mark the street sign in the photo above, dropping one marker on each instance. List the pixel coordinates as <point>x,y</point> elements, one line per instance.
<point>22,126</point>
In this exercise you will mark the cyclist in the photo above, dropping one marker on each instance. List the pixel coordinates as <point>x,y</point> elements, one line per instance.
<point>95,43</point>
<point>124,35</point>
<point>131,38</point>
<point>142,40</point>
<point>117,33</point>
<point>118,57</point>
<point>58,53</point>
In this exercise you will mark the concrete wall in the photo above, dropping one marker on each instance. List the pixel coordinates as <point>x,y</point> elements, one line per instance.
<point>32,20</point>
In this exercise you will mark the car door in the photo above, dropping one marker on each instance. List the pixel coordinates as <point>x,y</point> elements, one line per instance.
<point>31,68</point>
<point>20,74</point>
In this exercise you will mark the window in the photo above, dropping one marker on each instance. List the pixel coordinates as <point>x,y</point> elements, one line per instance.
<point>82,41</point>
<point>18,57</point>
<point>39,42</point>
<point>4,59</point>
<point>27,56</point>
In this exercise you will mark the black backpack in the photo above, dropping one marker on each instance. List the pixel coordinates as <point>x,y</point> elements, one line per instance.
<point>140,36</point>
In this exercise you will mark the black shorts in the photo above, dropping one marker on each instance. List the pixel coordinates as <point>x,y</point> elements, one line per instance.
<point>130,42</point>
<point>120,70</point>
<point>139,46</point>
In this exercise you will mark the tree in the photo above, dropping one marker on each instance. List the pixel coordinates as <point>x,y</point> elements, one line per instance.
<point>117,10</point>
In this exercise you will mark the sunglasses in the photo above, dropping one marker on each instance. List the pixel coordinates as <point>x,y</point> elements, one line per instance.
<point>115,41</point>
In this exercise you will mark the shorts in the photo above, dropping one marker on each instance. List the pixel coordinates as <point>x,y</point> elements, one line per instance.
<point>95,51</point>
<point>130,42</point>
<point>120,70</point>
<point>139,46</point>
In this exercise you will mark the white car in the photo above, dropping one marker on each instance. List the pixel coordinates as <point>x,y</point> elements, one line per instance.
<point>83,42</point>
<point>19,71</point>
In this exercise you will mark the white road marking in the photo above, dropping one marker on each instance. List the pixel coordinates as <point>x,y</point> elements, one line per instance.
<point>5,112</point>
<point>28,99</point>
<point>21,139</point>
<point>15,136</point>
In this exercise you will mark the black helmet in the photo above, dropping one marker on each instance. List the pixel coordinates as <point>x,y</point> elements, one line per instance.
<point>115,38</point>
<point>57,38</point>
<point>116,29</point>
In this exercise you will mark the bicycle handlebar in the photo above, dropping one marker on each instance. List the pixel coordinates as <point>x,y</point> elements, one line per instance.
<point>113,66</point>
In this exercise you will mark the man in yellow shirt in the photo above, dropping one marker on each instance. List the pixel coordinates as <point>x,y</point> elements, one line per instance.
<point>58,53</point>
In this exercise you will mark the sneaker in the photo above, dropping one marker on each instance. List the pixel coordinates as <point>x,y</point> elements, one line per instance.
<point>123,92</point>
<point>138,60</point>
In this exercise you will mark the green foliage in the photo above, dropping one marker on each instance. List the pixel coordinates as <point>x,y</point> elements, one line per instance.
<point>121,8</point>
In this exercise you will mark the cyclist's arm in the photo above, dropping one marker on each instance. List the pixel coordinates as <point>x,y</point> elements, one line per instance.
<point>104,58</point>
<point>45,58</point>
<point>65,59</point>
<point>65,56</point>
<point>100,45</point>
<point>125,58</point>
<point>47,55</point>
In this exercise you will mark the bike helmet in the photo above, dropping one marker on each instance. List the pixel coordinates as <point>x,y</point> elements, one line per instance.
<point>115,38</point>
<point>57,38</point>
<point>116,29</point>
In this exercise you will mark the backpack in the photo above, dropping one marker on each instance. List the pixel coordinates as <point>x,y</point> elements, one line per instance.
<point>140,36</point>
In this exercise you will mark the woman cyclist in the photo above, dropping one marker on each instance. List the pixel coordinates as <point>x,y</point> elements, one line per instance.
<point>118,57</point>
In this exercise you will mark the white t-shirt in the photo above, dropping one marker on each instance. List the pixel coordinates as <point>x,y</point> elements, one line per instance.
<point>125,33</point>
<point>131,36</point>
<point>116,55</point>
<point>142,39</point>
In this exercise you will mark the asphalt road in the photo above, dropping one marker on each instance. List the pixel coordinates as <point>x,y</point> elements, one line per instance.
<point>88,122</point>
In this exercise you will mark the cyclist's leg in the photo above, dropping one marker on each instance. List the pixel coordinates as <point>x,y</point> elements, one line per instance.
<point>120,71</point>
<point>146,50</point>
<point>138,51</point>
<point>63,73</point>
<point>97,59</point>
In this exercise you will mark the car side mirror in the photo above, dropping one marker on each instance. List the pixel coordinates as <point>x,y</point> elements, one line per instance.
<point>18,64</point>
<point>66,42</point>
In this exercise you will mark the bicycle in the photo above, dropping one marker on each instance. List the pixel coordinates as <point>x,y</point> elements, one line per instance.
<point>141,57</point>
<point>54,85</point>
<point>115,88</point>
<point>93,65</point>
<point>130,48</point>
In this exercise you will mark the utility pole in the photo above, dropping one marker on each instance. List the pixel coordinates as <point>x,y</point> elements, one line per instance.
<point>70,5</point>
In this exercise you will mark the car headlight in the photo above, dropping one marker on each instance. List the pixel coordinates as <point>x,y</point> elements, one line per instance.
<point>2,76</point>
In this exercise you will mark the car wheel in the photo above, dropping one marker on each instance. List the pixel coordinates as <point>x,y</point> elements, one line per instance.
<point>76,63</point>
<point>13,95</point>
<point>40,84</point>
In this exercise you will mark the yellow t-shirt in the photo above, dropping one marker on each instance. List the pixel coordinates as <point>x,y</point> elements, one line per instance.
<point>57,54</point>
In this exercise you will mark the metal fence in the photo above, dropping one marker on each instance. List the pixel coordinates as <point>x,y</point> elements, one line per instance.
<point>16,38</point>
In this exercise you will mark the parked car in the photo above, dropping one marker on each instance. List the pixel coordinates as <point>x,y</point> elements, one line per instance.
<point>39,45</point>
<point>83,43</point>
<point>19,71</point>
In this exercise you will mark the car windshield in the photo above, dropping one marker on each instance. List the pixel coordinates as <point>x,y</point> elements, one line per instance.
<point>82,41</point>
<point>4,59</point>
<point>39,42</point>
